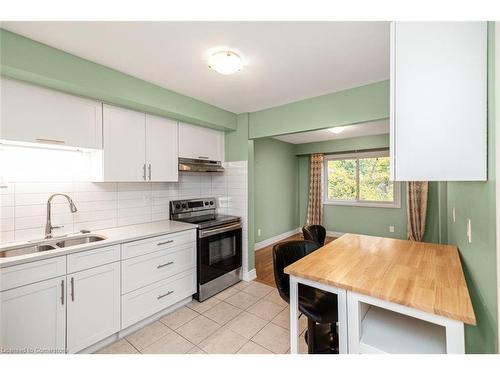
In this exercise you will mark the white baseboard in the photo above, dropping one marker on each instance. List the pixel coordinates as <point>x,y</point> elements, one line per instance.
<point>249,275</point>
<point>279,237</point>
<point>331,233</point>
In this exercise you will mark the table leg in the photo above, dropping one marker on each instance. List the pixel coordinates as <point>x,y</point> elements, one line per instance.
<point>294,316</point>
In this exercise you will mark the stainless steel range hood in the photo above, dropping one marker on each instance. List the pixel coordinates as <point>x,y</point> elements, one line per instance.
<point>198,165</point>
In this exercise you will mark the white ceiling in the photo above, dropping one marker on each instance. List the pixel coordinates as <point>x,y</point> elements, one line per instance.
<point>350,131</point>
<point>286,61</point>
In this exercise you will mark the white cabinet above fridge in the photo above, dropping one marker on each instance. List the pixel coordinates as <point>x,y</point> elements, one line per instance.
<point>439,101</point>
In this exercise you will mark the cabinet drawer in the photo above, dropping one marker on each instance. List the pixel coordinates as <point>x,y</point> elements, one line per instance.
<point>149,245</point>
<point>23,274</point>
<point>93,258</point>
<point>144,302</point>
<point>146,269</point>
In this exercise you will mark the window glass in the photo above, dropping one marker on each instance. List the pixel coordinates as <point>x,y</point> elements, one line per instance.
<point>374,180</point>
<point>342,179</point>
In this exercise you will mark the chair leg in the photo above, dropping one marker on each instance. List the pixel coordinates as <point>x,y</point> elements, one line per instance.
<point>311,336</point>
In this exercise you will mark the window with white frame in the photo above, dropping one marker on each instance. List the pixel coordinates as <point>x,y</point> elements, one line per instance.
<point>360,179</point>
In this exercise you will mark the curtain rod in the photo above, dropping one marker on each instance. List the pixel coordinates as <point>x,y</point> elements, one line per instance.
<point>346,151</point>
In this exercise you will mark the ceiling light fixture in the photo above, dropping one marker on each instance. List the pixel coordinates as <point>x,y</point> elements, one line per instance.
<point>336,130</point>
<point>225,62</point>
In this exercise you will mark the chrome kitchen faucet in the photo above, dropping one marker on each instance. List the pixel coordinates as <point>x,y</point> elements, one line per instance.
<point>48,225</point>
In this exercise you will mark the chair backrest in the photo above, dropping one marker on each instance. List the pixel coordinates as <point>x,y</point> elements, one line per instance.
<point>316,233</point>
<point>284,254</point>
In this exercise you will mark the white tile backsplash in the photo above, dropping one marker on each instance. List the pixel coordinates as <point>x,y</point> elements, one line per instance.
<point>107,205</point>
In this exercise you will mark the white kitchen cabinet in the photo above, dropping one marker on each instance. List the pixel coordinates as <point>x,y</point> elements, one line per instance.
<point>137,147</point>
<point>33,318</point>
<point>93,306</point>
<point>438,101</point>
<point>161,149</point>
<point>124,143</point>
<point>196,142</point>
<point>39,115</point>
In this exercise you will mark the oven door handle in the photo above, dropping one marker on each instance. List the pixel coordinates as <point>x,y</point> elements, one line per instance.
<point>210,232</point>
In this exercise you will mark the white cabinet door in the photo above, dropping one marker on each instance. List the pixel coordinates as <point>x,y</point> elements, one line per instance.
<point>33,318</point>
<point>124,144</point>
<point>93,306</point>
<point>438,101</point>
<point>196,142</point>
<point>161,149</point>
<point>35,114</point>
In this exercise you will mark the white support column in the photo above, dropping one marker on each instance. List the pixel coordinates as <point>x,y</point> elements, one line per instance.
<point>294,316</point>
<point>455,339</point>
<point>342,314</point>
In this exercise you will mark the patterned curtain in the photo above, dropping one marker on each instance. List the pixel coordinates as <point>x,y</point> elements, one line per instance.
<point>417,209</point>
<point>315,206</point>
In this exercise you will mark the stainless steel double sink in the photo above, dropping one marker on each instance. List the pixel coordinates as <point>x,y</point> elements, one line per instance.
<point>49,244</point>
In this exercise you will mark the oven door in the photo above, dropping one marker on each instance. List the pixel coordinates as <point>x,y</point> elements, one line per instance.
<point>219,251</point>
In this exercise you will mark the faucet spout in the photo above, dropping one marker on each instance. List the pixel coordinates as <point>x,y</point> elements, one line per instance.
<point>48,225</point>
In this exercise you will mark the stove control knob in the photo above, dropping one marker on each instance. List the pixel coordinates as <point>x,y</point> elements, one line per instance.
<point>206,203</point>
<point>184,205</point>
<point>177,206</point>
<point>211,203</point>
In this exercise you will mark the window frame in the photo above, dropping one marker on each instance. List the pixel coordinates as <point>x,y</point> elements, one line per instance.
<point>396,203</point>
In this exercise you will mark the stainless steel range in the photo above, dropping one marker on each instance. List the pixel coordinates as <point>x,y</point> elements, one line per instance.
<point>219,244</point>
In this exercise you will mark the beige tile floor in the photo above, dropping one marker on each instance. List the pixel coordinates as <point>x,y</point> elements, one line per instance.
<point>247,318</point>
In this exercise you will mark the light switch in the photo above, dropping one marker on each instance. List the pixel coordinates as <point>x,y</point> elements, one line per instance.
<point>391,228</point>
<point>453,214</point>
<point>469,230</point>
<point>258,232</point>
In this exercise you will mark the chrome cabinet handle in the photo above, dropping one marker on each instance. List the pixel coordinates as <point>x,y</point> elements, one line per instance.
<point>203,157</point>
<point>149,171</point>
<point>62,292</point>
<point>144,172</point>
<point>164,264</point>
<point>50,141</point>
<point>72,289</point>
<point>164,242</point>
<point>164,295</point>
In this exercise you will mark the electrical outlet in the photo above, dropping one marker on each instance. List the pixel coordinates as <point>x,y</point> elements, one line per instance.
<point>453,214</point>
<point>469,230</point>
<point>391,228</point>
<point>258,232</point>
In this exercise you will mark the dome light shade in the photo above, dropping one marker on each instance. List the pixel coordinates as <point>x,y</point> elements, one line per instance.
<point>336,130</point>
<point>225,62</point>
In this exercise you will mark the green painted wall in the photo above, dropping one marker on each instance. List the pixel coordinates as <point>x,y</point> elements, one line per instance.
<point>24,59</point>
<point>476,201</point>
<point>359,104</point>
<point>238,147</point>
<point>365,220</point>
<point>236,141</point>
<point>276,184</point>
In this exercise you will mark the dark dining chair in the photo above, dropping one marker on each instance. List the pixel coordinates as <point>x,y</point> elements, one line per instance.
<point>318,306</point>
<point>316,233</point>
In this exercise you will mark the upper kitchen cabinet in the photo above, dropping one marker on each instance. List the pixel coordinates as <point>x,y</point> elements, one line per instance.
<point>196,142</point>
<point>137,147</point>
<point>439,101</point>
<point>161,148</point>
<point>38,115</point>
<point>124,141</point>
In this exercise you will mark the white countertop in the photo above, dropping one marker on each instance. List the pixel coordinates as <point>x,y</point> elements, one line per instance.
<point>113,236</point>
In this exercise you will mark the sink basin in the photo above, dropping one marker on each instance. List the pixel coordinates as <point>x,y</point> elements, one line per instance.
<point>26,249</point>
<point>79,240</point>
<point>49,244</point>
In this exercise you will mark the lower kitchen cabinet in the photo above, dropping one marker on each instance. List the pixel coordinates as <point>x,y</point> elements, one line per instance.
<point>93,308</point>
<point>33,318</point>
